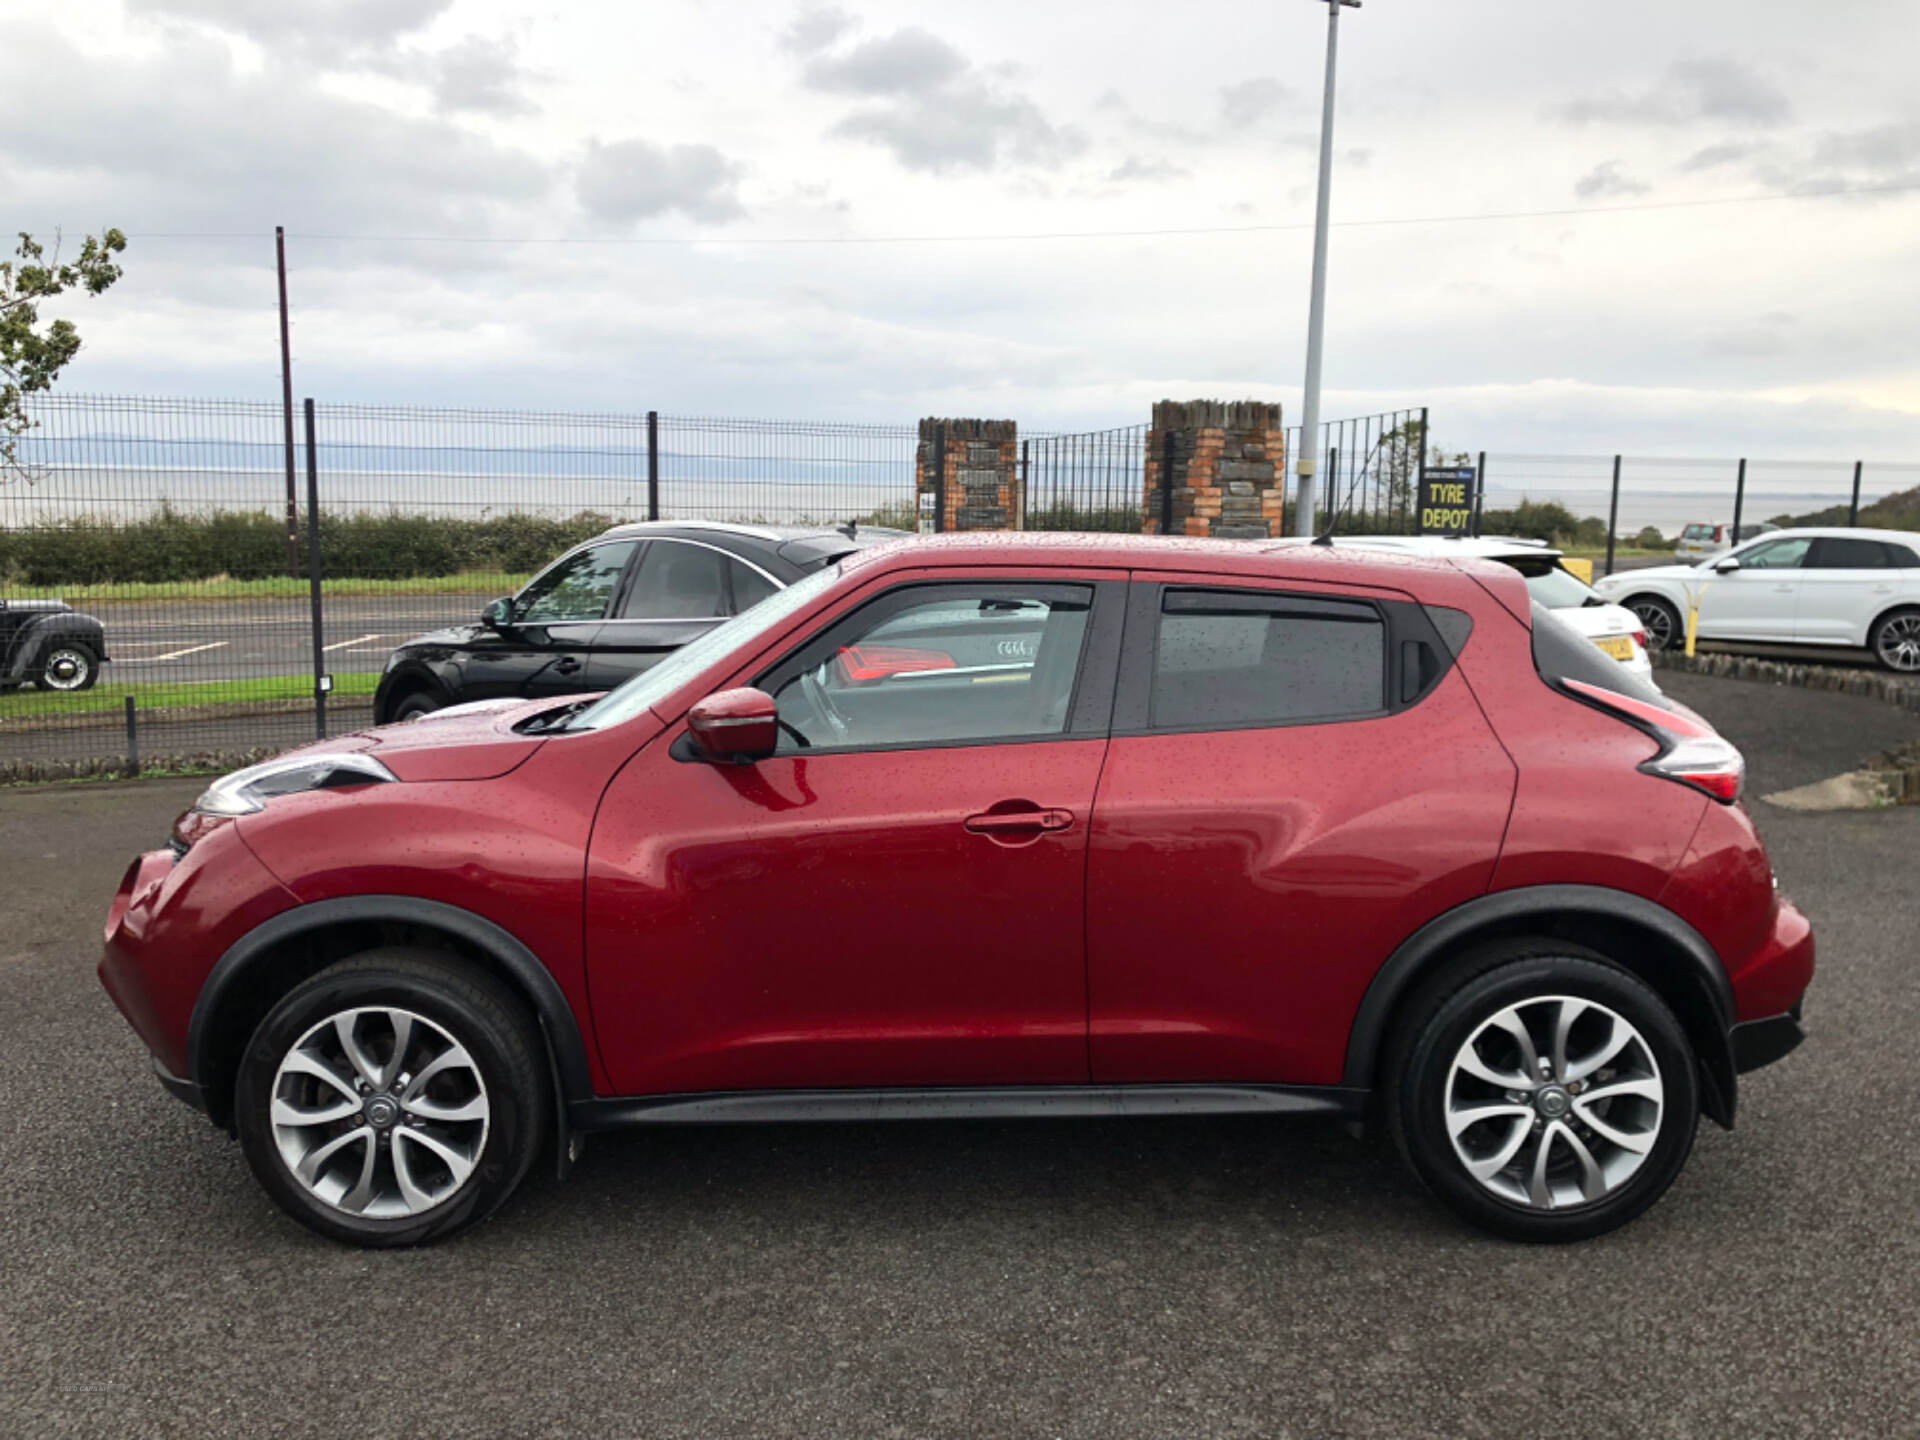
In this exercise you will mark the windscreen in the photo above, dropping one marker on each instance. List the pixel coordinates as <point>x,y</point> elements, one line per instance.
<point>689,660</point>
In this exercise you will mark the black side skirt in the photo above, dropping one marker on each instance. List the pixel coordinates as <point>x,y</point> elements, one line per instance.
<point>1008,1102</point>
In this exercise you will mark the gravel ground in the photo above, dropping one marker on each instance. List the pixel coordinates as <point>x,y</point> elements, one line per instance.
<point>1177,1278</point>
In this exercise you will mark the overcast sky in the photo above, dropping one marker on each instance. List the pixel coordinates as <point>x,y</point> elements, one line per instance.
<point>573,206</point>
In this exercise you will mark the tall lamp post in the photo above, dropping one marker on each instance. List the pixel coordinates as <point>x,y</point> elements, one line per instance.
<point>1307,462</point>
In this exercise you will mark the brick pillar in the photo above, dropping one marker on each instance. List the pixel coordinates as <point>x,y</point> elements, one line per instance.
<point>1229,468</point>
<point>982,472</point>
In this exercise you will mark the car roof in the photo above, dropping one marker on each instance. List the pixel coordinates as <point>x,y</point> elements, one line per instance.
<point>772,534</point>
<point>1466,547</point>
<point>1844,532</point>
<point>1070,549</point>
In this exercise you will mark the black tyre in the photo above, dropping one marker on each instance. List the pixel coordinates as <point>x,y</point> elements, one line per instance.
<point>1895,640</point>
<point>1542,1092</point>
<point>71,665</point>
<point>1666,630</point>
<point>413,706</point>
<point>394,1098</point>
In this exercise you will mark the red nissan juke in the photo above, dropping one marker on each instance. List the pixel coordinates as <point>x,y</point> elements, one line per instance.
<point>994,826</point>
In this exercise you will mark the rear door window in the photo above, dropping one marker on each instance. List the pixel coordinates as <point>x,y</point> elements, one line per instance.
<point>1833,554</point>
<point>1229,659</point>
<point>678,581</point>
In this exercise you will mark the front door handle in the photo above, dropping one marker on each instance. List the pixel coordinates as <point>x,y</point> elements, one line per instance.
<point>566,664</point>
<point>1001,822</point>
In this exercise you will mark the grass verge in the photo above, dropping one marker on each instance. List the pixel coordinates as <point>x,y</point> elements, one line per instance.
<point>108,698</point>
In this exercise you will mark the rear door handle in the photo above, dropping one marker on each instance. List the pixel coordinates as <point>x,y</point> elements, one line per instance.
<point>1000,822</point>
<point>566,664</point>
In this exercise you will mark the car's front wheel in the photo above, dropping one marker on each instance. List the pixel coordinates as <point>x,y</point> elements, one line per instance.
<point>393,1098</point>
<point>1544,1093</point>
<point>70,666</point>
<point>1665,629</point>
<point>413,706</point>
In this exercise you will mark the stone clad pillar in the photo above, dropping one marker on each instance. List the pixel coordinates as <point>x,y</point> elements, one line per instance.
<point>966,472</point>
<point>1229,469</point>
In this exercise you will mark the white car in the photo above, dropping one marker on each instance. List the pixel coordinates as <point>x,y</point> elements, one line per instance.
<point>1812,586</point>
<point>1699,540</point>
<point>1618,632</point>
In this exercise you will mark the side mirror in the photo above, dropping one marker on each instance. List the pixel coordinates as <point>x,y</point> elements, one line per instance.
<point>498,614</point>
<point>734,727</point>
<point>1726,566</point>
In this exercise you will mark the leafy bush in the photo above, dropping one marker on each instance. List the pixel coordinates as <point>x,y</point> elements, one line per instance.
<point>168,546</point>
<point>1650,538</point>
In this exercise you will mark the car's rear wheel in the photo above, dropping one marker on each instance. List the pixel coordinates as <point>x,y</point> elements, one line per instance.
<point>1895,641</point>
<point>1665,629</point>
<point>394,1098</point>
<point>1543,1093</point>
<point>70,666</point>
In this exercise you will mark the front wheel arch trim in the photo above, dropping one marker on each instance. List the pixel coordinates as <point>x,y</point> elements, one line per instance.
<point>409,677</point>
<point>1509,912</point>
<point>521,966</point>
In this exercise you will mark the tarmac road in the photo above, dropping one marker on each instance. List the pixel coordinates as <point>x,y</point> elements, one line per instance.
<point>1149,1278</point>
<point>240,639</point>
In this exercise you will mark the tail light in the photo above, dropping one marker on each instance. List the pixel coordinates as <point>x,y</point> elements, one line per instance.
<point>1691,752</point>
<point>865,664</point>
<point>1640,639</point>
<point>1719,533</point>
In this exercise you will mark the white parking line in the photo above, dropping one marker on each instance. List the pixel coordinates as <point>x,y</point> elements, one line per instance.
<point>176,654</point>
<point>345,644</point>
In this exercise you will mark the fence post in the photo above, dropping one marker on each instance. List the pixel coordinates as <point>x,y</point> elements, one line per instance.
<point>1410,504</point>
<point>286,405</point>
<point>1167,448</point>
<point>322,682</point>
<point>1613,513</point>
<point>1332,490</point>
<point>653,464</point>
<point>1020,500</point>
<point>133,742</point>
<point>1853,510</point>
<point>1479,492</point>
<point>1739,500</point>
<point>939,477</point>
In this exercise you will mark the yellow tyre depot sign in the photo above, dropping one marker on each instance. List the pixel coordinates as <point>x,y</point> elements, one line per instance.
<point>1446,501</point>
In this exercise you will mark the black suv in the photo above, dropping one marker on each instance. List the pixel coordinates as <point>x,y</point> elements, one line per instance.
<point>607,610</point>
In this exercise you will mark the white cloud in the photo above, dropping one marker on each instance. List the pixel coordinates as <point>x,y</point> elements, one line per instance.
<point>637,180</point>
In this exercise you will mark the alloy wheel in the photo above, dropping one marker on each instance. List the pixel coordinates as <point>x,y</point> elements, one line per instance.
<point>66,669</point>
<point>1898,643</point>
<point>378,1112</point>
<point>1659,622</point>
<point>1554,1102</point>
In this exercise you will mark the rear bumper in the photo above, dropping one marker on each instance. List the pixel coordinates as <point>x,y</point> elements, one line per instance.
<point>1761,1042</point>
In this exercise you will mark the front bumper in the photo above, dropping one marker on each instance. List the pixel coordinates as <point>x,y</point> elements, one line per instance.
<point>185,1091</point>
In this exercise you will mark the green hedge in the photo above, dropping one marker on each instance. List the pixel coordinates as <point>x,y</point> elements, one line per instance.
<point>252,545</point>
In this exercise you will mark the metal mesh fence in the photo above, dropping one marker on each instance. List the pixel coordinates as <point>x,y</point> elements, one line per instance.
<point>1094,480</point>
<point>177,535</point>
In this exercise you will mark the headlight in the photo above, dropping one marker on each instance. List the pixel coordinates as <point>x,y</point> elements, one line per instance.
<point>246,791</point>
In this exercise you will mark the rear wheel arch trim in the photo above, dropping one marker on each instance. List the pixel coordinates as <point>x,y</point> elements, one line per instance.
<point>1445,933</point>
<point>1899,607</point>
<point>523,970</point>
